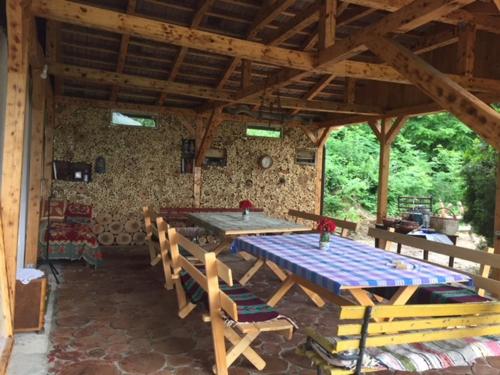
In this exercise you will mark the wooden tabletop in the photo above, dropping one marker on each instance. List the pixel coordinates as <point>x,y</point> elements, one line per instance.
<point>232,223</point>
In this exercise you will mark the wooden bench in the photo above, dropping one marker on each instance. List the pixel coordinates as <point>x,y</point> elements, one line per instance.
<point>486,260</point>
<point>344,227</point>
<point>406,324</point>
<point>151,234</point>
<point>224,312</point>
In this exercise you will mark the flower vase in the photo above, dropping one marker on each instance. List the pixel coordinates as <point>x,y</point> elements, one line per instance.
<point>324,241</point>
<point>246,214</point>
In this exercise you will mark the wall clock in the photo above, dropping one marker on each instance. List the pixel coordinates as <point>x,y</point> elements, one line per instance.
<point>266,161</point>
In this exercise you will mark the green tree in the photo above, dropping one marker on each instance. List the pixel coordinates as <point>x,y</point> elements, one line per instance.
<point>480,184</point>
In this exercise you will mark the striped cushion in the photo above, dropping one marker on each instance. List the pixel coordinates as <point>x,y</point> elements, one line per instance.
<point>251,309</point>
<point>441,293</point>
<point>448,294</point>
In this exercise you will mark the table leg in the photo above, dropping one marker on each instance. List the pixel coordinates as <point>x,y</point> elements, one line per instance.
<point>282,291</point>
<point>451,262</point>
<point>318,301</point>
<point>224,245</point>
<point>399,248</point>
<point>252,271</point>
<point>403,295</point>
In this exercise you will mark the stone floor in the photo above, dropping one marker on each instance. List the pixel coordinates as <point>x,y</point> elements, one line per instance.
<point>118,320</point>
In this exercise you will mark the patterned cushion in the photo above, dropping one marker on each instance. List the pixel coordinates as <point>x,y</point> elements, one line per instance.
<point>448,294</point>
<point>78,213</point>
<point>55,211</point>
<point>251,309</point>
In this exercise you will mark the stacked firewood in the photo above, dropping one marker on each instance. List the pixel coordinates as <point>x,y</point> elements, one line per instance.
<point>118,230</point>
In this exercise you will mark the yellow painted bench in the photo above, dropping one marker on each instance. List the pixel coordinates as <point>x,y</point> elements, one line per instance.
<point>344,227</point>
<point>406,324</point>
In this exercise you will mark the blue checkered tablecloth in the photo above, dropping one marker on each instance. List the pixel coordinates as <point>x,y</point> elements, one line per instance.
<point>345,264</point>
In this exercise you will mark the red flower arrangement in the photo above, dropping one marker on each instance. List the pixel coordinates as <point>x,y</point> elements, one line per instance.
<point>246,204</point>
<point>326,226</point>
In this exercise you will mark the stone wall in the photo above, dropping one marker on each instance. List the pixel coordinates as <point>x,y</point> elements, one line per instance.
<point>143,166</point>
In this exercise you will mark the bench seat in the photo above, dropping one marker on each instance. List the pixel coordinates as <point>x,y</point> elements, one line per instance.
<point>251,309</point>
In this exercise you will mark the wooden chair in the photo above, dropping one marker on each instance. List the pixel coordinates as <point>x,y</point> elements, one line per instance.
<point>226,316</point>
<point>405,324</point>
<point>151,235</point>
<point>344,227</point>
<point>485,260</point>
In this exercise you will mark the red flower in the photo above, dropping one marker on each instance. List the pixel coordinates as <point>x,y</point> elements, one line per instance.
<point>246,204</point>
<point>326,225</point>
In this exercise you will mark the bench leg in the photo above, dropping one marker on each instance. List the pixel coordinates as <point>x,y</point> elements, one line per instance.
<point>241,346</point>
<point>249,353</point>
<point>186,310</point>
<point>318,301</point>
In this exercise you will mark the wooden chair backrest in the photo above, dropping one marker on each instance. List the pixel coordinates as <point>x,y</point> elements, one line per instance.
<point>214,268</point>
<point>344,225</point>
<point>413,323</point>
<point>149,221</point>
<point>486,260</point>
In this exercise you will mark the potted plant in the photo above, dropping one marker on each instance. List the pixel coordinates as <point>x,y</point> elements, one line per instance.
<point>246,205</point>
<point>325,227</point>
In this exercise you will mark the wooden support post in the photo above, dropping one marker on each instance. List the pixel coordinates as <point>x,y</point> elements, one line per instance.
<point>327,23</point>
<point>48,141</point>
<point>213,125</point>
<point>7,323</point>
<point>466,49</point>
<point>386,133</point>
<point>321,140</point>
<point>36,169</point>
<point>495,272</point>
<point>17,31</point>
<point>246,74</point>
<point>383,180</point>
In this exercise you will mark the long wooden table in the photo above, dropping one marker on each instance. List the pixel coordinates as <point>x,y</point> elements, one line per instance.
<point>348,266</point>
<point>229,225</point>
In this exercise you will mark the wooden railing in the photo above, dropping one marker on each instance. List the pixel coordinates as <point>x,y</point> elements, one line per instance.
<point>485,259</point>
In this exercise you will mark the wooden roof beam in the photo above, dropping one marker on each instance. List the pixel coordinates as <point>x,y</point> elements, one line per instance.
<point>497,3</point>
<point>204,92</point>
<point>466,49</point>
<point>479,116</point>
<point>409,17</point>
<point>94,17</point>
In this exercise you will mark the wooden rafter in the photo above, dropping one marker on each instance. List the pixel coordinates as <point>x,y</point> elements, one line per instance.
<point>198,17</point>
<point>122,54</point>
<point>409,17</point>
<point>204,92</point>
<point>165,32</point>
<point>452,97</point>
<point>482,22</point>
<point>266,16</point>
<point>497,4</point>
<point>302,20</point>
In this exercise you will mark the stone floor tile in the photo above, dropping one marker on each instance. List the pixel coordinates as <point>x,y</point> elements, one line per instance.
<point>142,363</point>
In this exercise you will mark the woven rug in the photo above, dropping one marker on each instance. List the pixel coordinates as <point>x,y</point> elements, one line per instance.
<point>432,355</point>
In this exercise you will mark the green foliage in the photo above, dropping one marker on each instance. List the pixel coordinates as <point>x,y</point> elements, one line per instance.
<point>427,158</point>
<point>479,193</point>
